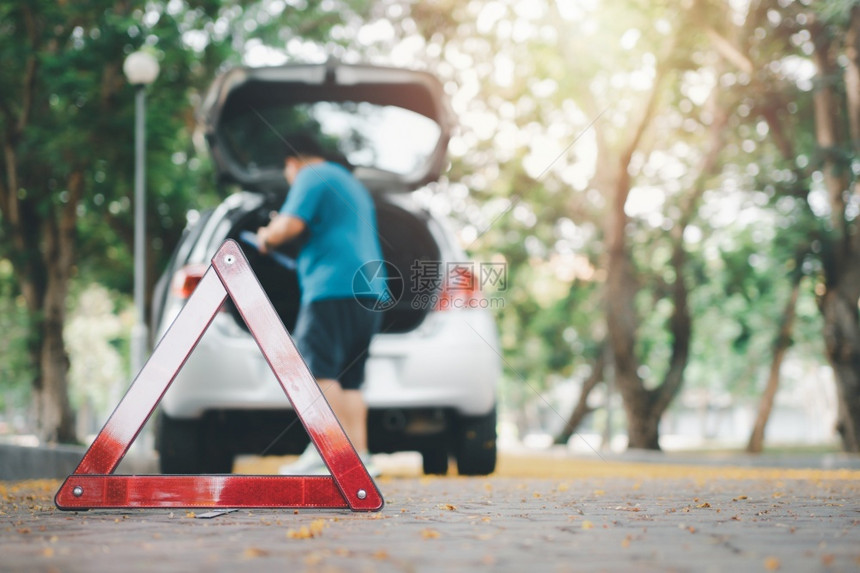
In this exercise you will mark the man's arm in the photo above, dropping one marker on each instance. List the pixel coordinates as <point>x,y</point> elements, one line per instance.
<point>281,229</point>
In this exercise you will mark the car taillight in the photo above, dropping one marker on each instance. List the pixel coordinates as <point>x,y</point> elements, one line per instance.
<point>186,280</point>
<point>460,290</point>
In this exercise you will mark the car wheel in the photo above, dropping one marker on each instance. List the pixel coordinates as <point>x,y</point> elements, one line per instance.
<point>185,448</point>
<point>435,461</point>
<point>476,445</point>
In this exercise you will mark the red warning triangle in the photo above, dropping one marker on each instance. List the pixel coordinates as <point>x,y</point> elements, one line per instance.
<point>93,484</point>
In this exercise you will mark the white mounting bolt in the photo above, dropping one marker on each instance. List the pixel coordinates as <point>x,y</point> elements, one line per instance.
<point>78,491</point>
<point>361,494</point>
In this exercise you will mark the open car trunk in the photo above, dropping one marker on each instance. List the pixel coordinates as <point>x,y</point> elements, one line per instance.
<point>404,238</point>
<point>391,124</point>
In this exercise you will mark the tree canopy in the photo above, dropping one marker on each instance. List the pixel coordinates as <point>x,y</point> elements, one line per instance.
<point>658,177</point>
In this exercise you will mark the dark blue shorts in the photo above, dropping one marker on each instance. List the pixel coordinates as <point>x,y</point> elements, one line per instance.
<point>333,337</point>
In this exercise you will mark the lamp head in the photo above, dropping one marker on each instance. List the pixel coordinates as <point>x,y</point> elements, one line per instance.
<point>141,68</point>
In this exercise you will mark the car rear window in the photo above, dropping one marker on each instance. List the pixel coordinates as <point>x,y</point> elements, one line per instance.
<point>383,137</point>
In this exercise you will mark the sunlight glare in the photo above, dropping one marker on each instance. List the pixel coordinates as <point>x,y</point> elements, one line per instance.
<point>257,54</point>
<point>503,70</point>
<point>644,201</point>
<point>408,51</point>
<point>489,16</point>
<point>483,123</point>
<point>698,86</point>
<point>377,31</point>
<point>630,38</point>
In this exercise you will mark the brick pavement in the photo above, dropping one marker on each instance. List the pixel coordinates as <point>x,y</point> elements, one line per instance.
<point>584,516</point>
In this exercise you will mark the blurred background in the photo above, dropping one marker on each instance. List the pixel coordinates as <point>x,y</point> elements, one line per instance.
<point>672,187</point>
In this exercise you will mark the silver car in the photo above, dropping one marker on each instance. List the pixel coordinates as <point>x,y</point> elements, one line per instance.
<point>432,371</point>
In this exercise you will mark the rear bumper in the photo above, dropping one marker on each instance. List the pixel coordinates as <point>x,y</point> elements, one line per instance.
<point>451,361</point>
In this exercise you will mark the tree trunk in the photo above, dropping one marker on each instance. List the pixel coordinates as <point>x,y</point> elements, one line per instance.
<point>839,304</point>
<point>841,248</point>
<point>55,418</point>
<point>644,407</point>
<point>621,287</point>
<point>842,341</point>
<point>582,409</point>
<point>781,346</point>
<point>43,277</point>
<point>643,422</point>
<point>56,421</point>
<point>43,235</point>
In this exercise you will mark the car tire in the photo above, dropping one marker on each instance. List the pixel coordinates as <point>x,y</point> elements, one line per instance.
<point>476,445</point>
<point>185,447</point>
<point>435,461</point>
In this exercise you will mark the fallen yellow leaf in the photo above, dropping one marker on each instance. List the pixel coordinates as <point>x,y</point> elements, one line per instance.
<point>314,558</point>
<point>307,532</point>
<point>430,534</point>
<point>317,527</point>
<point>303,532</point>
<point>254,552</point>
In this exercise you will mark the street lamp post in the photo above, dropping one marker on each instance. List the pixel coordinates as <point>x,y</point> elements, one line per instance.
<point>141,69</point>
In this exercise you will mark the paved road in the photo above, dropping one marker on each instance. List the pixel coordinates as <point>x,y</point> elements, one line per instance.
<point>586,516</point>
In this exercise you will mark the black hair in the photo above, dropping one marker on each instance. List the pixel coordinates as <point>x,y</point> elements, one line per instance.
<point>303,145</point>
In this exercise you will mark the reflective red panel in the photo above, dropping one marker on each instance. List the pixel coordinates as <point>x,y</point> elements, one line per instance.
<point>115,491</point>
<point>349,485</point>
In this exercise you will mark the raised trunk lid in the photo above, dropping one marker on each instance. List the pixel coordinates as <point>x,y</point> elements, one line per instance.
<point>392,125</point>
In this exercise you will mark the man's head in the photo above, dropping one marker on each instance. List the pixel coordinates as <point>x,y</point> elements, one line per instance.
<point>301,150</point>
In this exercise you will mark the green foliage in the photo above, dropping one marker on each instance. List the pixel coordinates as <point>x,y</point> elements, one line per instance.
<point>15,369</point>
<point>67,113</point>
<point>837,11</point>
<point>94,338</point>
<point>527,80</point>
<point>534,203</point>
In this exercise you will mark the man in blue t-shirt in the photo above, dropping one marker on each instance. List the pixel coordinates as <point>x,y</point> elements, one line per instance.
<point>335,215</point>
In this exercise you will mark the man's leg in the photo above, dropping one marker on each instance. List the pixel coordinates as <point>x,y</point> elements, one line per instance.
<point>350,409</point>
<point>329,335</point>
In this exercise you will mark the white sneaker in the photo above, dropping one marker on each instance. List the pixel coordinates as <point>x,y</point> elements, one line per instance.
<point>309,464</point>
<point>371,468</point>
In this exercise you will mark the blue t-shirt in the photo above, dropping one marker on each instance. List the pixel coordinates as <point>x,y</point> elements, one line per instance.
<point>342,234</point>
